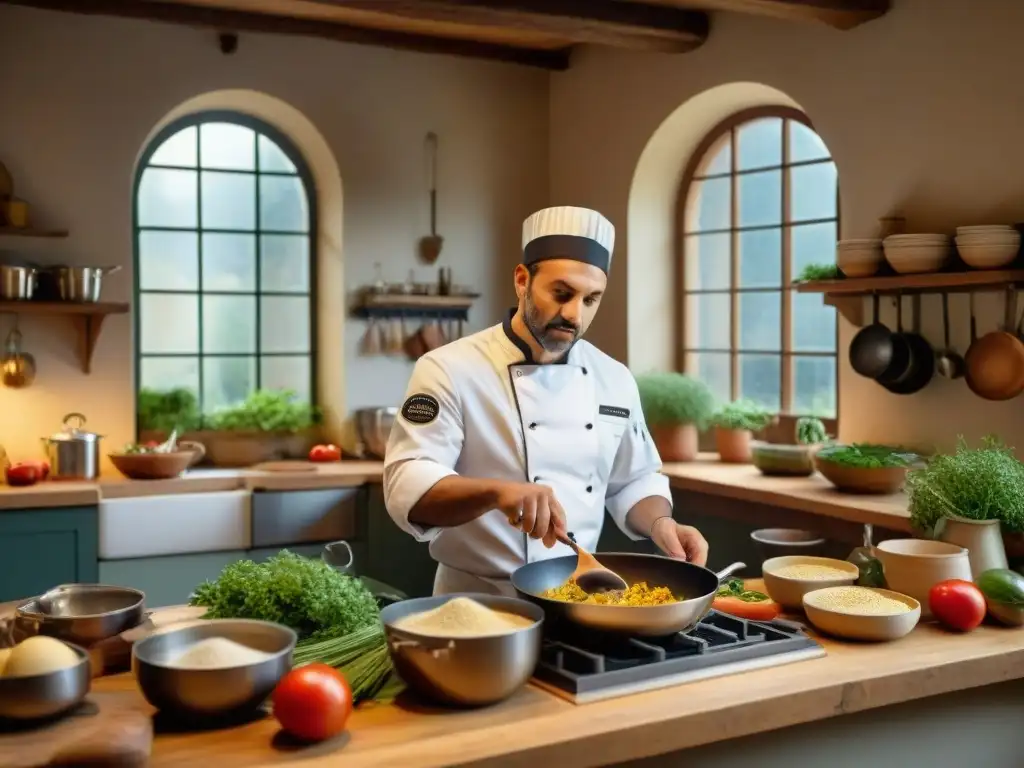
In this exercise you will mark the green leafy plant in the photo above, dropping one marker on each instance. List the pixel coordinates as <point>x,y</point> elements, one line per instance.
<point>266,410</point>
<point>813,272</point>
<point>670,399</point>
<point>810,431</point>
<point>166,410</point>
<point>867,455</point>
<point>985,483</point>
<point>743,414</point>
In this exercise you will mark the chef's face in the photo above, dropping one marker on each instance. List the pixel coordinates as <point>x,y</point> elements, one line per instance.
<point>558,300</point>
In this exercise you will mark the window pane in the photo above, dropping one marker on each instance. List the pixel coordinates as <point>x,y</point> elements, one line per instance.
<point>760,198</point>
<point>812,192</point>
<point>760,320</point>
<point>179,149</point>
<point>286,373</point>
<point>165,373</point>
<point>713,369</point>
<point>707,320</point>
<point>814,323</point>
<point>283,204</point>
<point>814,386</point>
<point>718,158</point>
<point>805,144</point>
<point>168,323</point>
<point>813,244</point>
<point>168,261</point>
<point>229,324</point>
<point>708,264</point>
<point>709,205</point>
<point>284,324</point>
<point>760,258</point>
<point>272,158</point>
<point>229,262</point>
<point>225,145</point>
<point>284,263</point>
<point>227,380</point>
<point>759,143</point>
<point>167,198</point>
<point>229,200</point>
<point>760,379</point>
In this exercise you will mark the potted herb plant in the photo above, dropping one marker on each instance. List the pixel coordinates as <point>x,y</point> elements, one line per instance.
<point>735,424</point>
<point>972,492</point>
<point>162,411</point>
<point>794,460</point>
<point>864,467</point>
<point>267,425</point>
<point>676,408</point>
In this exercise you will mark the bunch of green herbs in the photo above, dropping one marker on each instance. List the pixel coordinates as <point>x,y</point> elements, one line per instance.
<point>167,410</point>
<point>985,483</point>
<point>743,414</point>
<point>813,272</point>
<point>266,410</point>
<point>867,455</point>
<point>671,399</point>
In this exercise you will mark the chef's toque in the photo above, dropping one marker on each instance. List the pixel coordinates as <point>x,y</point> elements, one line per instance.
<point>568,232</point>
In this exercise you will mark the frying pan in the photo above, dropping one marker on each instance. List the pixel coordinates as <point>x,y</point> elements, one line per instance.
<point>695,583</point>
<point>921,367</point>
<point>872,349</point>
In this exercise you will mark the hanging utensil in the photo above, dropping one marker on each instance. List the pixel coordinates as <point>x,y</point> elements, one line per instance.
<point>921,368</point>
<point>18,368</point>
<point>899,365</point>
<point>949,363</point>
<point>995,362</point>
<point>430,246</point>
<point>871,350</point>
<point>371,339</point>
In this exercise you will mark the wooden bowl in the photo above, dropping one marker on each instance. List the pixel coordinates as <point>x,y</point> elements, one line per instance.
<point>157,466</point>
<point>861,479</point>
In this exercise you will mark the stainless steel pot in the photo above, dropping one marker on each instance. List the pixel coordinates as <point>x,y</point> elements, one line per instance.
<point>73,453</point>
<point>81,283</point>
<point>17,283</point>
<point>81,613</point>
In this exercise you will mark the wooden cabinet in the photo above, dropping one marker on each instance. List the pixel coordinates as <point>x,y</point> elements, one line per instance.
<point>41,548</point>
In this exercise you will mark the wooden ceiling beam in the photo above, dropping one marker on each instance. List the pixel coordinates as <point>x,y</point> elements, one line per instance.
<point>639,26</point>
<point>841,14</point>
<point>223,19</point>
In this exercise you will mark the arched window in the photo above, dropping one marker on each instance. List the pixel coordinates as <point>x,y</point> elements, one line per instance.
<point>224,222</point>
<point>760,202</point>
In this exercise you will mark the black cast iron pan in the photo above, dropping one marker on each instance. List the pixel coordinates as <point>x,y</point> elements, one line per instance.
<point>696,584</point>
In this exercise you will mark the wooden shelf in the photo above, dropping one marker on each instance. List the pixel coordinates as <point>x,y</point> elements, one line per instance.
<point>847,295</point>
<point>87,317</point>
<point>388,305</point>
<point>31,232</point>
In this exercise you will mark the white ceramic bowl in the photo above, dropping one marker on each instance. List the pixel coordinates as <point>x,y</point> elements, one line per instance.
<point>858,626</point>
<point>988,255</point>
<point>789,592</point>
<point>917,258</point>
<point>856,260</point>
<point>914,566</point>
<point>984,229</point>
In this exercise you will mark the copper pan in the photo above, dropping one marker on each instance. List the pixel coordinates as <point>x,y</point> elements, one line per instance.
<point>995,362</point>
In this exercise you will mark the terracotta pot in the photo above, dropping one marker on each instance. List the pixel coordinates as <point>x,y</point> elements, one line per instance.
<point>733,445</point>
<point>243,449</point>
<point>862,479</point>
<point>675,442</point>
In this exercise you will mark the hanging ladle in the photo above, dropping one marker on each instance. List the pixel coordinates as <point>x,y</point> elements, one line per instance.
<point>949,364</point>
<point>430,245</point>
<point>590,575</point>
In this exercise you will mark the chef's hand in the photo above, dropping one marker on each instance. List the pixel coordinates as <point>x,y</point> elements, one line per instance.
<point>532,508</point>
<point>681,541</point>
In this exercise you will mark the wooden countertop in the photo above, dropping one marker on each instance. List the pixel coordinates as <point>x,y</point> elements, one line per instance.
<point>68,494</point>
<point>536,728</point>
<point>813,495</point>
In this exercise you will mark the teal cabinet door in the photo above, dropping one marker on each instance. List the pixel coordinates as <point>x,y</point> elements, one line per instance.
<point>167,580</point>
<point>41,548</point>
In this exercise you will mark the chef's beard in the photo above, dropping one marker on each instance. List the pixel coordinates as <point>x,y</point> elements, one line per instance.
<point>541,328</point>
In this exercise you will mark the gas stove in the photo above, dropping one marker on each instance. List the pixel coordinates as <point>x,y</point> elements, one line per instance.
<point>583,666</point>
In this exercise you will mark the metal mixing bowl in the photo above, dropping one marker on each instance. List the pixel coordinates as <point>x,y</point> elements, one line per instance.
<point>81,613</point>
<point>218,693</point>
<point>374,425</point>
<point>38,696</point>
<point>465,671</point>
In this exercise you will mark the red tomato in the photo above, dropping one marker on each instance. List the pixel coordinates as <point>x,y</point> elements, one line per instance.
<point>325,453</point>
<point>958,604</point>
<point>313,702</point>
<point>22,474</point>
<point>762,610</point>
<point>42,468</point>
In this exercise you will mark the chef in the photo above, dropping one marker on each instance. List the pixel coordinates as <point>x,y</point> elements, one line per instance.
<point>525,423</point>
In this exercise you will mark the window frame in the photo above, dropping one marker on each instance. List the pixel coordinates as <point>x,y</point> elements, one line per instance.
<point>288,147</point>
<point>729,127</point>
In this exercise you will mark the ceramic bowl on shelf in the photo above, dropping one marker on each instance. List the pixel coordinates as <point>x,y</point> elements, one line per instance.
<point>787,586</point>
<point>988,247</point>
<point>913,566</point>
<point>917,254</point>
<point>780,459</point>
<point>859,258</point>
<point>829,614</point>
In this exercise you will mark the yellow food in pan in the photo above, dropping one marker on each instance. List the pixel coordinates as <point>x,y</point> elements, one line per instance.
<point>638,594</point>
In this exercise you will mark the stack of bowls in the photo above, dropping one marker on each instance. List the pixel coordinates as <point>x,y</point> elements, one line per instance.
<point>987,246</point>
<point>914,254</point>
<point>859,258</point>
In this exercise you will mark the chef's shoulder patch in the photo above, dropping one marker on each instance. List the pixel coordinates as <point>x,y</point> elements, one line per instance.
<point>420,408</point>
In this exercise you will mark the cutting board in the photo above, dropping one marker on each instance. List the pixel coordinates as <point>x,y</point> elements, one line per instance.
<point>109,730</point>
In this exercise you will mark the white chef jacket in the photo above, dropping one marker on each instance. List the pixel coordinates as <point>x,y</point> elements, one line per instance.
<point>481,408</point>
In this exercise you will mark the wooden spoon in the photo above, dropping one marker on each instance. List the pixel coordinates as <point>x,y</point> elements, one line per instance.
<point>590,575</point>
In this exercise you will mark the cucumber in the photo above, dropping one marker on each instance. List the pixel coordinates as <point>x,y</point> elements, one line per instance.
<point>1001,585</point>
